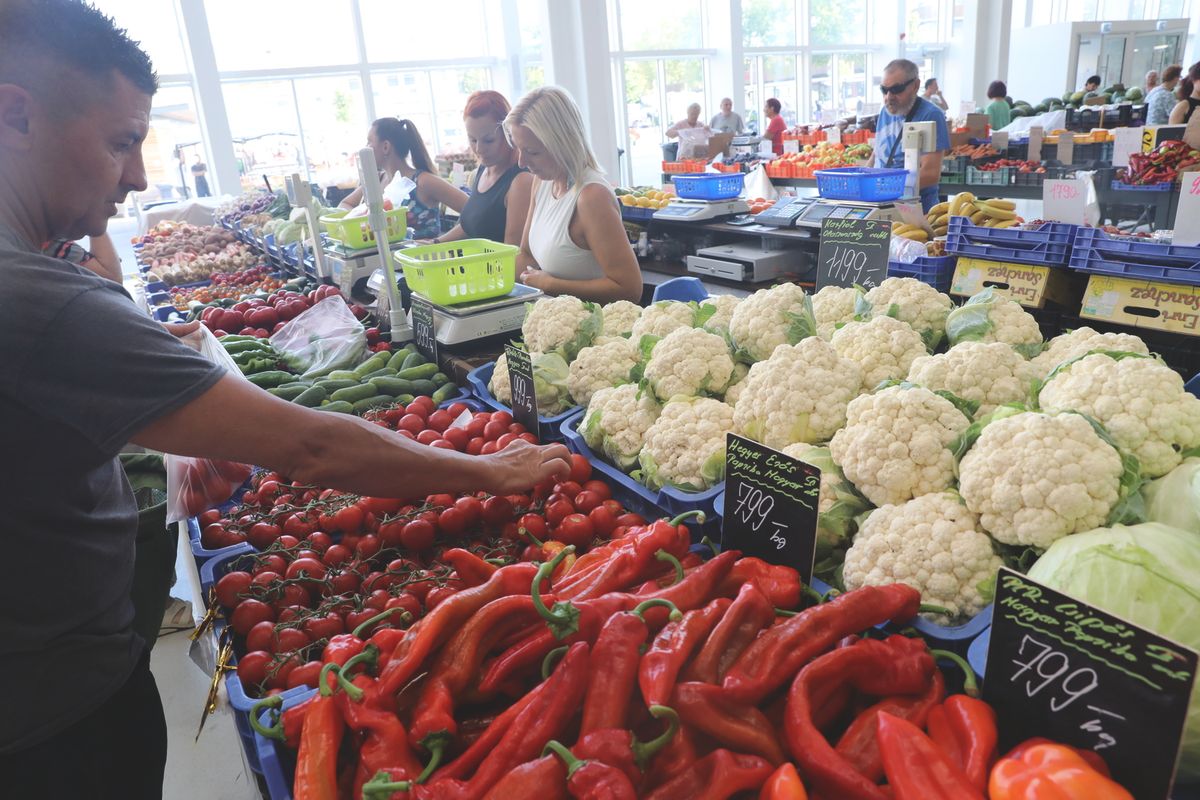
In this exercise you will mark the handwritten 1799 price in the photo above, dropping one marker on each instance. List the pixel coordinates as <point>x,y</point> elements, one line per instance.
<point>1064,191</point>
<point>754,508</point>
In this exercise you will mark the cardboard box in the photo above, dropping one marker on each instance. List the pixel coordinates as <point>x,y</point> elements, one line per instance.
<point>1168,307</point>
<point>976,128</point>
<point>1031,286</point>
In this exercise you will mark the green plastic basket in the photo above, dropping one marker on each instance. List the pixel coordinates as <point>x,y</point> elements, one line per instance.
<point>355,233</point>
<point>461,271</point>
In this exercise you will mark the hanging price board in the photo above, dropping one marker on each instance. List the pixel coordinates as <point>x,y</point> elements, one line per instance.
<point>524,398</point>
<point>1059,668</point>
<point>853,251</point>
<point>424,331</point>
<point>770,505</point>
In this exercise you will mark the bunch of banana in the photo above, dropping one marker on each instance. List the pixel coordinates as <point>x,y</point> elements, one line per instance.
<point>913,232</point>
<point>990,213</point>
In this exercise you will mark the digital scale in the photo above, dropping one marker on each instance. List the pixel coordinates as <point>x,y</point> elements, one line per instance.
<point>744,145</point>
<point>349,267</point>
<point>750,263</point>
<point>701,210</point>
<point>469,322</point>
<point>809,212</point>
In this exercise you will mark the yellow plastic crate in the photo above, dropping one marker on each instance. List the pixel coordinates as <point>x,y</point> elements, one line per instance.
<point>459,272</point>
<point>355,233</point>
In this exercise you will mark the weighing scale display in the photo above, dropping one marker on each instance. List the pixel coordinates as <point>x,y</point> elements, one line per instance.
<point>819,212</point>
<point>857,213</point>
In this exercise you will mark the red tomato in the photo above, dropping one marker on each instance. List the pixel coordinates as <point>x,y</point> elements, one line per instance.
<point>306,568</point>
<point>336,555</point>
<point>252,668</point>
<point>262,534</point>
<point>503,417</point>
<point>273,562</point>
<point>320,541</point>
<point>505,440</point>
<point>265,580</point>
<point>424,402</point>
<point>418,535</point>
<point>324,627</point>
<point>442,444</point>
<point>356,618</point>
<point>568,489</point>
<point>517,428</point>
<point>452,521</point>
<point>534,525</point>
<point>429,437</point>
<point>475,446</point>
<point>614,506</point>
<point>419,411</point>
<point>599,487</point>
<point>249,613</point>
<point>412,423</point>
<point>528,437</point>
<point>307,674</point>
<point>488,448</point>
<point>379,506</point>
<point>390,533</point>
<point>377,599</point>
<point>440,500</point>
<point>209,517</point>
<point>437,595</point>
<point>232,587</point>
<point>261,636</point>
<point>471,508</point>
<point>603,520</point>
<point>406,601</point>
<point>367,547</point>
<point>297,525</point>
<point>587,500</point>
<point>631,520</point>
<point>456,409</point>
<point>475,428</point>
<point>576,529</point>
<point>494,430</point>
<point>581,470</point>
<point>497,511</point>
<point>440,420</point>
<point>348,519</point>
<point>458,437</point>
<point>407,435</point>
<point>558,511</point>
<point>291,639</point>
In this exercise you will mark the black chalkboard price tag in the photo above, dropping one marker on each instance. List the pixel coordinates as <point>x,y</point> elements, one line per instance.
<point>524,398</point>
<point>424,333</point>
<point>853,252</point>
<point>770,505</point>
<point>1059,668</point>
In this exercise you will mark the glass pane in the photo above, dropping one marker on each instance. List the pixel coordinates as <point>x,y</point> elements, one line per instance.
<point>837,21</point>
<point>451,87</point>
<point>883,17</point>
<point>405,95</point>
<point>529,12</point>
<point>779,81</point>
<point>1077,11</point>
<point>645,121</point>
<point>266,131</point>
<point>754,101</point>
<point>956,21</point>
<point>768,23</point>
<point>922,20</point>
<point>535,76</point>
<point>420,31</point>
<point>1121,9</point>
<point>334,118</point>
<point>852,83</point>
<point>154,27</point>
<point>820,84</point>
<point>685,85</point>
<point>1172,9</point>
<point>305,33</point>
<point>661,25</point>
<point>173,145</point>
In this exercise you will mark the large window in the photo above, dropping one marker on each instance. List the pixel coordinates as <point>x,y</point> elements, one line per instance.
<point>173,145</point>
<point>417,31</point>
<point>155,27</point>
<point>267,36</point>
<point>674,25</point>
<point>432,99</point>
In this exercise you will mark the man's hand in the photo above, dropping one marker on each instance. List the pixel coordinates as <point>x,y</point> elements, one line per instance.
<point>522,465</point>
<point>181,329</point>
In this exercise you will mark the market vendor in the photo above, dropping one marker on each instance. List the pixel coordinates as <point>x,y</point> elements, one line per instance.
<point>87,372</point>
<point>728,121</point>
<point>399,149</point>
<point>901,85</point>
<point>499,199</point>
<point>690,122</point>
<point>574,241</point>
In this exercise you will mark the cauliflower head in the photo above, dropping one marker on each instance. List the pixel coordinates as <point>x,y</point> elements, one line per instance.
<point>1138,399</point>
<point>896,443</point>
<point>1034,478</point>
<point>799,394</point>
<point>499,384</point>
<point>685,447</point>
<point>883,347</point>
<point>599,366</point>
<point>550,373</point>
<point>619,317</point>
<point>988,374</point>
<point>662,317</point>
<point>737,383</point>
<point>1084,340</point>
<point>838,507</point>
<point>933,544</point>
<point>716,312</point>
<point>992,317</point>
<point>563,325</point>
<point>689,362</point>
<point>918,304</point>
<point>616,422</point>
<point>833,307</point>
<point>768,318</point>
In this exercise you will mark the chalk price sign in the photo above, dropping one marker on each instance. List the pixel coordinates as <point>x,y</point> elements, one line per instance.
<point>853,252</point>
<point>770,505</point>
<point>424,332</point>
<point>524,397</point>
<point>1062,669</point>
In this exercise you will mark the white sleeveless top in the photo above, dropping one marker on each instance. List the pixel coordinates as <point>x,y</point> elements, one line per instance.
<point>549,235</point>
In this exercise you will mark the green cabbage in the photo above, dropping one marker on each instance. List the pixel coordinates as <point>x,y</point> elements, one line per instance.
<point>1174,499</point>
<point>550,373</point>
<point>1142,573</point>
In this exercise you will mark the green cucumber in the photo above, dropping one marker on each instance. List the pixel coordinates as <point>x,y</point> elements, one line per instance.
<point>371,364</point>
<point>288,392</point>
<point>331,385</point>
<point>424,371</point>
<point>311,397</point>
<point>343,375</point>
<point>244,345</point>
<point>444,393</point>
<point>413,359</point>
<point>396,362</point>
<point>382,372</point>
<point>270,379</point>
<point>301,384</point>
<point>424,387</point>
<point>404,399</point>
<point>353,394</point>
<point>440,378</point>
<point>392,386</point>
<point>373,402</point>
<point>338,407</point>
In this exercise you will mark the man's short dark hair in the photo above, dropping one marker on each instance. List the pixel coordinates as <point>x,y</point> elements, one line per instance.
<point>930,82</point>
<point>39,39</point>
<point>774,104</point>
<point>1094,79</point>
<point>1172,73</point>
<point>996,89</point>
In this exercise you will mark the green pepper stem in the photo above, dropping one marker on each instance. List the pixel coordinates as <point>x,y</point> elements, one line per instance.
<point>551,659</point>
<point>644,751</point>
<point>711,545</point>
<point>641,608</point>
<point>380,617</point>
<point>369,655</point>
<point>698,514</point>
<point>557,748</point>
<point>563,619</point>
<point>970,685</point>
<point>927,608</point>
<point>783,612</point>
<point>663,555</point>
<point>437,747</point>
<point>812,594</point>
<point>276,730</point>
<point>382,785</point>
<point>323,679</point>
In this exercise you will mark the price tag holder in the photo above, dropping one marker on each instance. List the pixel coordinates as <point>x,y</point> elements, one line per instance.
<point>833,135</point>
<point>770,505</point>
<point>1064,200</point>
<point>1066,148</point>
<point>424,330</point>
<point>1059,668</point>
<point>1187,213</point>
<point>853,251</point>
<point>1000,140</point>
<point>1126,142</point>
<point>1035,143</point>
<point>524,398</point>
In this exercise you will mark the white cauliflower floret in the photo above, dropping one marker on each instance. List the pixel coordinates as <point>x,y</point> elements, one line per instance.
<point>993,317</point>
<point>689,362</point>
<point>499,385</point>
<point>616,422</point>
<point>599,366</point>
<point>988,374</point>
<point>550,373</point>
<point>799,394</point>
<point>883,347</point>
<point>768,318</point>
<point>1034,478</point>
<point>663,317</point>
<point>918,304</point>
<point>933,544</point>
<point>1084,340</point>
<point>837,508</point>
<point>685,447</point>
<point>896,443</point>
<point>619,317</point>
<point>563,325</point>
<point>833,307</point>
<point>722,311</point>
<point>1139,400</point>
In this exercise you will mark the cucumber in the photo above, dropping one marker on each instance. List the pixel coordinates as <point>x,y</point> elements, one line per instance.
<point>404,399</point>
<point>440,378</point>
<point>230,338</point>
<point>288,392</point>
<point>353,394</point>
<point>338,407</point>
<point>330,385</point>
<point>311,397</point>
<point>397,360</point>
<point>301,384</point>
<point>392,386</point>
<point>270,379</point>
<point>371,364</point>
<point>424,371</point>
<point>343,375</point>
<point>242,346</point>
<point>424,387</point>
<point>382,372</point>
<point>413,359</point>
<point>444,393</point>
<point>373,402</point>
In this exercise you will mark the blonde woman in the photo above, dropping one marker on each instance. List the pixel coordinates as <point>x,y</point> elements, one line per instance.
<point>574,241</point>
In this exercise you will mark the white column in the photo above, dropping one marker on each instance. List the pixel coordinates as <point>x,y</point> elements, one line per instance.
<point>579,61</point>
<point>509,79</point>
<point>214,120</point>
<point>726,70</point>
<point>982,53</point>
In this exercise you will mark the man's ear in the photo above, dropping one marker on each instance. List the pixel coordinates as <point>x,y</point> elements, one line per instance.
<point>16,110</point>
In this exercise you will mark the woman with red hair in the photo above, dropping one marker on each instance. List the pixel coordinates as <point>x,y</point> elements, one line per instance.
<point>499,198</point>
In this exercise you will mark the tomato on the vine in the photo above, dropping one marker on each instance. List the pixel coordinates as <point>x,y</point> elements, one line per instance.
<point>576,529</point>
<point>497,510</point>
<point>558,511</point>
<point>581,470</point>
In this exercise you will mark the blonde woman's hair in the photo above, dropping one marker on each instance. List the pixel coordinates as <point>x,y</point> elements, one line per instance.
<point>550,113</point>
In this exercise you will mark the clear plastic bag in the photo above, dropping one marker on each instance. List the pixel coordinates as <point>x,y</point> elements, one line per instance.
<point>905,251</point>
<point>195,484</point>
<point>693,142</point>
<point>323,338</point>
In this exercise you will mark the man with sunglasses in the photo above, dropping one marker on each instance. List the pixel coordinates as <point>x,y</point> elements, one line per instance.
<point>900,88</point>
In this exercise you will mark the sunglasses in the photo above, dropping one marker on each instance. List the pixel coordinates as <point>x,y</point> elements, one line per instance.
<point>896,88</point>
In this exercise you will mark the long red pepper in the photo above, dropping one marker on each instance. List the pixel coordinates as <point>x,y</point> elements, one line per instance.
<point>860,746</point>
<point>344,646</point>
<point>590,779</point>
<point>784,784</point>
<point>620,748</point>
<point>469,568</point>
<point>916,768</point>
<point>469,759</point>
<point>742,728</point>
<point>544,778</point>
<point>780,584</point>
<point>680,753</point>
<point>750,612</point>
<point>385,745</point>
<point>316,762</point>
<point>622,563</point>
<point>672,647</point>
<point>719,775</point>
<point>973,723</point>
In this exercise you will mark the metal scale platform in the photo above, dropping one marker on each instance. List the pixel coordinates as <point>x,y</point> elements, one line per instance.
<point>701,210</point>
<point>809,212</point>
<point>351,269</point>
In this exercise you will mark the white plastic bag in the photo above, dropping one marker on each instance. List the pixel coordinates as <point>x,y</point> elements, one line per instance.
<point>905,251</point>
<point>323,338</point>
<point>693,142</point>
<point>759,185</point>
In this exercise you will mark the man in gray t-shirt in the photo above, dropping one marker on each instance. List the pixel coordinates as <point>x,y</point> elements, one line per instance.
<point>82,373</point>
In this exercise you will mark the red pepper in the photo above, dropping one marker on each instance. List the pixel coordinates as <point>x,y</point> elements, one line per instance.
<point>316,761</point>
<point>678,755</point>
<point>916,768</point>
<point>287,725</point>
<point>738,726</point>
<point>620,748</point>
<point>469,759</point>
<point>750,613</point>
<point>1094,759</point>
<point>1051,772</point>
<point>344,646</point>
<point>589,779</point>
<point>860,746</point>
<point>780,584</point>
<point>622,563</point>
<point>385,745</point>
<point>719,775</point>
<point>775,656</point>
<point>544,778</point>
<point>672,647</point>
<point>469,568</point>
<point>972,723</point>
<point>784,784</point>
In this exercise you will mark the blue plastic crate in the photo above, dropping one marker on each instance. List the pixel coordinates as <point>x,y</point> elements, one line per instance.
<point>955,638</point>
<point>278,762</point>
<point>860,183</point>
<point>1047,246</point>
<point>977,652</point>
<point>164,313</point>
<point>202,554</point>
<point>937,271</point>
<point>480,377</point>
<point>1149,187</point>
<point>683,289</point>
<point>464,397</point>
<point>704,186</point>
<point>1193,385</point>
<point>1096,251</point>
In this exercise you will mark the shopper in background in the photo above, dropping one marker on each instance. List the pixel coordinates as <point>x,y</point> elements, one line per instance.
<point>399,149</point>
<point>775,125</point>
<point>1189,89</point>
<point>727,121</point>
<point>901,82</point>
<point>1092,84</point>
<point>86,372</point>
<point>574,240</point>
<point>1161,100</point>
<point>200,177</point>
<point>998,111</point>
<point>499,199</point>
<point>934,94</point>
<point>691,121</point>
<point>1151,82</point>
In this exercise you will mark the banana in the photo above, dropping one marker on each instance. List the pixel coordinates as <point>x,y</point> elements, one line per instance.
<point>938,210</point>
<point>903,229</point>
<point>997,213</point>
<point>1005,223</point>
<point>940,221</point>
<point>917,235</point>
<point>978,217</point>
<point>1007,205</point>
<point>959,201</point>
<point>941,231</point>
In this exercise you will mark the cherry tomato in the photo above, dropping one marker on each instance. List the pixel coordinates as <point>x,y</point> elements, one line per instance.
<point>614,506</point>
<point>587,500</point>
<point>603,520</point>
<point>417,410</point>
<point>505,440</point>
<point>261,636</point>
<point>380,506</point>
<point>558,511</point>
<point>283,670</point>
<point>208,517</point>
<point>367,547</point>
<point>440,420</point>
<point>475,446</point>
<point>517,428</point>
<point>407,601</point>
<point>413,423</point>
<point>429,437</point>
<point>348,519</point>
<point>452,521</point>
<point>425,402</point>
<point>265,580</point>
<point>297,525</point>
<point>458,437</point>
<point>248,613</point>
<point>306,568</point>
<point>631,520</point>
<point>494,430</point>
<point>534,525</point>
<point>407,435</point>
<point>440,500</point>
<point>503,417</point>
<point>599,487</point>
<point>576,529</point>
<point>442,444</point>
<point>320,541</point>
<point>262,534</point>
<point>471,508</point>
<point>475,428</point>
<point>418,535</point>
<point>528,437</point>
<point>568,488</point>
<point>291,639</point>
<point>344,581</point>
<point>390,533</point>
<point>581,470</point>
<point>497,511</point>
<point>307,674</point>
<point>437,595</point>
<point>356,618</point>
<point>377,599</point>
<point>252,668</point>
<point>532,553</point>
<point>232,587</point>
<point>324,627</point>
<point>488,448</point>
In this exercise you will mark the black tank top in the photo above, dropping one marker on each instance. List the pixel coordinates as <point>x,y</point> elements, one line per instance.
<point>1193,104</point>
<point>484,215</point>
